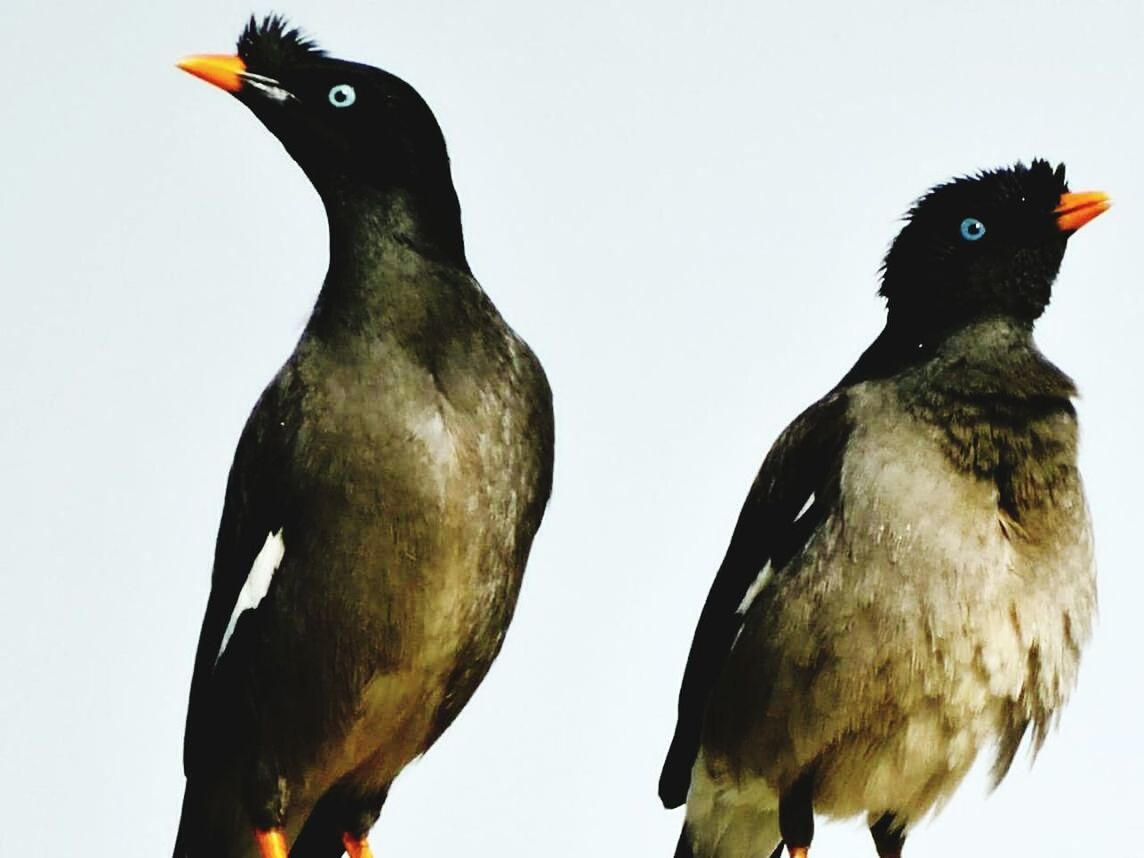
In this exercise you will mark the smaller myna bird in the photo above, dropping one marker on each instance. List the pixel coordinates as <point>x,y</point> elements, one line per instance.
<point>385,491</point>
<point>911,578</point>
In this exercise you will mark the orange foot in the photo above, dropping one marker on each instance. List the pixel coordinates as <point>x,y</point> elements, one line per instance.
<point>272,843</point>
<point>798,851</point>
<point>356,848</point>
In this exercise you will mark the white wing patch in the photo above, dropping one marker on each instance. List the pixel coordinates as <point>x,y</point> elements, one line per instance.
<point>257,583</point>
<point>765,573</point>
<point>756,587</point>
<point>806,506</point>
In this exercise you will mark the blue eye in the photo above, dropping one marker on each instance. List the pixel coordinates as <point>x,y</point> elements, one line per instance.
<point>972,229</point>
<point>342,95</point>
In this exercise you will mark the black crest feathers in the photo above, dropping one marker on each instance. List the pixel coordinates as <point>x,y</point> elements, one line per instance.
<point>270,45</point>
<point>1021,199</point>
<point>1039,185</point>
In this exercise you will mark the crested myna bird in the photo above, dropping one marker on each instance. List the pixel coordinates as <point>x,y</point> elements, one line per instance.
<point>385,491</point>
<point>911,577</point>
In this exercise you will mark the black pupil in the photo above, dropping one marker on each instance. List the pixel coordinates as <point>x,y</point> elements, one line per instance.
<point>340,94</point>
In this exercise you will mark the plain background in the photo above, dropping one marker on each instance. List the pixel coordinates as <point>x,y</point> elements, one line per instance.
<point>682,207</point>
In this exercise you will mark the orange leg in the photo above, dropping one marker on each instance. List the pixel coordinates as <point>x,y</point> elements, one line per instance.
<point>798,851</point>
<point>357,848</point>
<point>272,843</point>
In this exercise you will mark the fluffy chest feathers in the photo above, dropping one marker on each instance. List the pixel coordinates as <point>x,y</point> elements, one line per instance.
<point>939,606</point>
<point>965,538</point>
<point>426,475</point>
<point>374,420</point>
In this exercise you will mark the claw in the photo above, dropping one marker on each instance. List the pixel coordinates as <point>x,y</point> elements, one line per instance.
<point>356,848</point>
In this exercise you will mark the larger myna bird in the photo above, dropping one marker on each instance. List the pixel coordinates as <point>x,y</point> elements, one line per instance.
<point>385,491</point>
<point>911,577</point>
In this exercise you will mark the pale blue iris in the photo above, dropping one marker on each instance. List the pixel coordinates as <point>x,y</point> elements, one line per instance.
<point>972,229</point>
<point>342,95</point>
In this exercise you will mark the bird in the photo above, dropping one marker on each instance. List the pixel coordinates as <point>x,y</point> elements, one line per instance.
<point>911,576</point>
<point>385,490</point>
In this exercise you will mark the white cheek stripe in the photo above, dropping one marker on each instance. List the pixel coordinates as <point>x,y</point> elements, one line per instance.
<point>257,583</point>
<point>267,85</point>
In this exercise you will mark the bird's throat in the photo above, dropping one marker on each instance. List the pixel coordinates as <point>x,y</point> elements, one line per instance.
<point>385,254</point>
<point>426,218</point>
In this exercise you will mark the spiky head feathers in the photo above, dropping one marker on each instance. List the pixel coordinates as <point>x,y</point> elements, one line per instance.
<point>270,46</point>
<point>979,245</point>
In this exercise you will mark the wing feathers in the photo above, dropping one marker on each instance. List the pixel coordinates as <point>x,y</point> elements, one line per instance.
<point>774,522</point>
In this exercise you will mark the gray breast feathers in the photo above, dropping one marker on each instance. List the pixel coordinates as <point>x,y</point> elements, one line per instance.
<point>923,619</point>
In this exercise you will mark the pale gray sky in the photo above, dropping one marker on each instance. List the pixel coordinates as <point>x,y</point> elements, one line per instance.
<point>682,207</point>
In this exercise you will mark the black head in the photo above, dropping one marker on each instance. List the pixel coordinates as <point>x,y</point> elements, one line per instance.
<point>985,245</point>
<point>337,118</point>
<point>351,127</point>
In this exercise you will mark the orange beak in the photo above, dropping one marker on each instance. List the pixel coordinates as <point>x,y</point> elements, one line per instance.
<point>222,70</point>
<point>1075,210</point>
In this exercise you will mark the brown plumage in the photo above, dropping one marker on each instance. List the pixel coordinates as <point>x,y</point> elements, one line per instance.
<point>911,578</point>
<point>385,491</point>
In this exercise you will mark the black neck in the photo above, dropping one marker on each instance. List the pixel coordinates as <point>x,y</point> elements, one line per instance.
<point>426,218</point>
<point>992,358</point>
<point>996,359</point>
<point>378,240</point>
<point>900,345</point>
